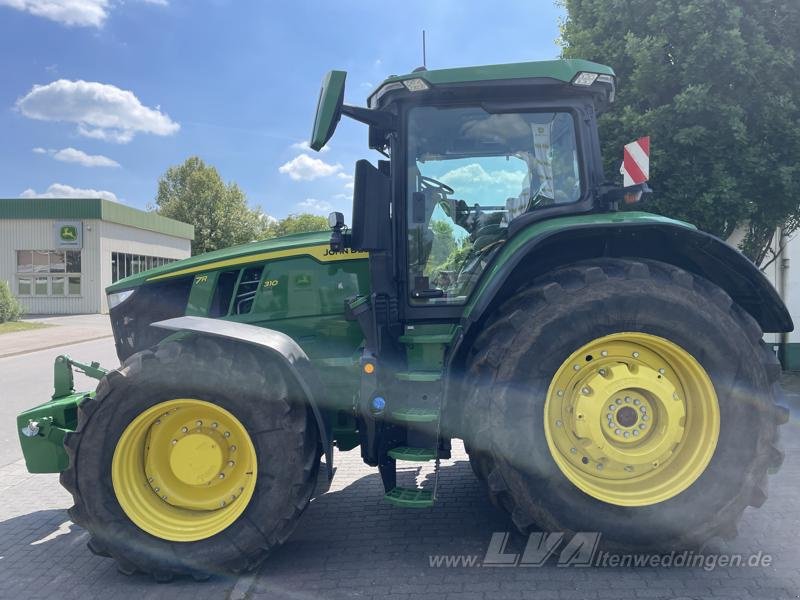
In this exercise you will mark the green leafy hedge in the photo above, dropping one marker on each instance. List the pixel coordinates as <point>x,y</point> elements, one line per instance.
<point>10,307</point>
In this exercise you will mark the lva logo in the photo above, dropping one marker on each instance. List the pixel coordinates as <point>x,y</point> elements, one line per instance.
<point>578,552</point>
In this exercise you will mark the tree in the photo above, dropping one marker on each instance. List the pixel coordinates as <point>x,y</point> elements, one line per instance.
<point>195,193</point>
<point>715,85</point>
<point>296,224</point>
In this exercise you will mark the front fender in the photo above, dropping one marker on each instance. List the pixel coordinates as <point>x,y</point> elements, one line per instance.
<point>278,345</point>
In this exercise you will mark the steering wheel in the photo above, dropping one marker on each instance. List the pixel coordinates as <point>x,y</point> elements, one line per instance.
<point>429,183</point>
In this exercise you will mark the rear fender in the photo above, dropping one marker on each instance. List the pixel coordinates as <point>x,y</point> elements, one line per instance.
<point>276,344</point>
<point>540,250</point>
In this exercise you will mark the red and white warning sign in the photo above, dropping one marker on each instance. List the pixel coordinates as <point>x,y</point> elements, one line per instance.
<point>636,162</point>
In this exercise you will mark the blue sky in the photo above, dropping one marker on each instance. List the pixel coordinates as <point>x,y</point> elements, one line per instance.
<point>235,82</point>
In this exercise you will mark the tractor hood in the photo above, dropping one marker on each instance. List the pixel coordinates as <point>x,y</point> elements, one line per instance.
<point>314,244</point>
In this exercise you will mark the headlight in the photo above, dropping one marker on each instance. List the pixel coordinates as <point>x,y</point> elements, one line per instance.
<point>118,298</point>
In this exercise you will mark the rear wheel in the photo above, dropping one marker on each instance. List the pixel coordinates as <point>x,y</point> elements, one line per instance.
<point>193,458</point>
<point>627,397</point>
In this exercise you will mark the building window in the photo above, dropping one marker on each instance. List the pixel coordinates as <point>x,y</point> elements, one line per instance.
<point>49,272</point>
<point>124,265</point>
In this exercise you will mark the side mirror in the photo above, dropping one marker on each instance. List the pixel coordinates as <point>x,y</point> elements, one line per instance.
<point>329,109</point>
<point>372,228</point>
<point>336,223</point>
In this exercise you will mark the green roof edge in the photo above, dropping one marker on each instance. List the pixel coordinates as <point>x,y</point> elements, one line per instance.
<point>93,208</point>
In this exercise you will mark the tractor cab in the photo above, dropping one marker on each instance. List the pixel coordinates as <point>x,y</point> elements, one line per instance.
<point>475,154</point>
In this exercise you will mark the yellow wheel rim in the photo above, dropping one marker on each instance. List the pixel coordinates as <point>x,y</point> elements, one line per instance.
<point>184,470</point>
<point>631,419</point>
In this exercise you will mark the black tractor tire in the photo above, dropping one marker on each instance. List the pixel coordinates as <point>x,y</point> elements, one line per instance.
<point>239,379</point>
<point>517,354</point>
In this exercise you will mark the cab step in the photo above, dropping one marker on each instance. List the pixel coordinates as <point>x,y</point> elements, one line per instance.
<point>412,454</point>
<point>423,376</point>
<point>416,415</point>
<point>410,497</point>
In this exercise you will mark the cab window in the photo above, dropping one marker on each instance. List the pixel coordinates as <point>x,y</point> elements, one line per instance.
<point>470,174</point>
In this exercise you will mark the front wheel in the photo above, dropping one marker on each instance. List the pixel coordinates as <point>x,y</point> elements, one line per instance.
<point>193,458</point>
<point>627,397</point>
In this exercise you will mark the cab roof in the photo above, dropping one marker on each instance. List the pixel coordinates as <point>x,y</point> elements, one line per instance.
<point>564,70</point>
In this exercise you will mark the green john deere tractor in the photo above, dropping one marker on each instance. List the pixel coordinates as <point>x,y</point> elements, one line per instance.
<point>604,367</point>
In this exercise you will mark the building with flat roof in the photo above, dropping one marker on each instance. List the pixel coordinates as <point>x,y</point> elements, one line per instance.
<point>59,254</point>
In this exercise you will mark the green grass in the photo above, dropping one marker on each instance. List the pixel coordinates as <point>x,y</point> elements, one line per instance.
<point>12,326</point>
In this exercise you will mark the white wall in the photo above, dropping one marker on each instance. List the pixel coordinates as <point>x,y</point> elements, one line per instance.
<point>100,239</point>
<point>120,238</point>
<point>37,234</point>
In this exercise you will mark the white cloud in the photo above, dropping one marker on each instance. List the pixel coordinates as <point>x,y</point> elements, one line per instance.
<point>349,183</point>
<point>79,13</point>
<point>158,2</point>
<point>303,146</point>
<point>316,207</point>
<point>474,180</point>
<point>73,155</point>
<point>60,190</point>
<point>269,219</point>
<point>100,110</point>
<point>306,168</point>
<point>476,174</point>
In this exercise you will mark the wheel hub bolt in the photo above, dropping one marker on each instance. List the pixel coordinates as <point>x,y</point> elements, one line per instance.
<point>642,425</point>
<point>636,401</point>
<point>628,468</point>
<point>662,371</point>
<point>604,353</point>
<point>199,423</point>
<point>174,442</point>
<point>215,425</point>
<point>586,391</point>
<point>233,448</point>
<point>611,407</point>
<point>618,431</point>
<point>635,432</point>
<point>559,423</point>
<point>227,434</point>
<point>573,450</point>
<point>184,429</point>
<point>222,475</point>
<point>576,367</point>
<point>635,355</point>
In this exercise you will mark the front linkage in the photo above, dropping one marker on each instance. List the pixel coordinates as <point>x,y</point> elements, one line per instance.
<point>42,429</point>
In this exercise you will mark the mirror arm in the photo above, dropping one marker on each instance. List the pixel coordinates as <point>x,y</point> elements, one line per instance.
<point>375,118</point>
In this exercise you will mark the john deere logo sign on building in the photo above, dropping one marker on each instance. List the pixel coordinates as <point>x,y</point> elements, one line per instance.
<point>69,234</point>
